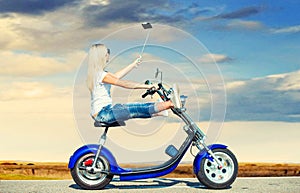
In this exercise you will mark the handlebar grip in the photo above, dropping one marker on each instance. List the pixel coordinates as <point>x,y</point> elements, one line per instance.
<point>145,94</point>
<point>151,92</point>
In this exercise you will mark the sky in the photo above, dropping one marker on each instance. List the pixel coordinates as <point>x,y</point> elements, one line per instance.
<point>239,61</point>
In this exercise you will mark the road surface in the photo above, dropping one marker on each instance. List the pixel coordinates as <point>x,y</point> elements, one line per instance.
<point>163,185</point>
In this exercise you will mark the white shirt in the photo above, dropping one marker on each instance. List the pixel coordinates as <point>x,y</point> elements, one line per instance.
<point>100,96</point>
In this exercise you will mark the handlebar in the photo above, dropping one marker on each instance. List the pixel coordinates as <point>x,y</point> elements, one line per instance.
<point>148,92</point>
<point>162,92</point>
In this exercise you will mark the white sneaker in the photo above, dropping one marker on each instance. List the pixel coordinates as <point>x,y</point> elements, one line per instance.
<point>175,97</point>
<point>164,113</point>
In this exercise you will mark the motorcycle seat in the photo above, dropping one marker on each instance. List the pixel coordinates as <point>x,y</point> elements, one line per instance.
<point>114,124</point>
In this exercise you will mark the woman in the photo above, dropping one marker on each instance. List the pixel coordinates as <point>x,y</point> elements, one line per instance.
<point>99,83</point>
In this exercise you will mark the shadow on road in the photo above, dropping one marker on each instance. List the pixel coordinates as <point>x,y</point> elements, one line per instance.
<point>149,184</point>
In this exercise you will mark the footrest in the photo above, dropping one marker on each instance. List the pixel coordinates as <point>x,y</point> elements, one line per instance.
<point>171,151</point>
<point>114,124</point>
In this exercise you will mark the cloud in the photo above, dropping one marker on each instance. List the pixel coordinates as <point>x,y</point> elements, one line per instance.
<point>58,32</point>
<point>102,13</point>
<point>159,11</point>
<point>262,135</point>
<point>289,29</point>
<point>235,84</point>
<point>99,2</point>
<point>73,26</point>
<point>32,7</point>
<point>28,64</point>
<point>50,34</point>
<point>46,33</point>
<point>211,58</point>
<point>37,123</point>
<point>288,81</point>
<point>235,20</point>
<point>126,12</point>
<point>241,13</point>
<point>270,98</point>
<point>31,90</point>
<point>242,24</point>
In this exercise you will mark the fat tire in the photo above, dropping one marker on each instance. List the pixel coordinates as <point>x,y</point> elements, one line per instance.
<point>212,185</point>
<point>82,184</point>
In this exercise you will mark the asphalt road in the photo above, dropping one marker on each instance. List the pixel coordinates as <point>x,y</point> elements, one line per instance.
<point>163,185</point>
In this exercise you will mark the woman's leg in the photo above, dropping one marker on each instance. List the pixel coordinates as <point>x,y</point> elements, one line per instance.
<point>147,110</point>
<point>123,112</point>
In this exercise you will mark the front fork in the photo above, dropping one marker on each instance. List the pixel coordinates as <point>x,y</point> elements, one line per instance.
<point>199,136</point>
<point>199,141</point>
<point>210,152</point>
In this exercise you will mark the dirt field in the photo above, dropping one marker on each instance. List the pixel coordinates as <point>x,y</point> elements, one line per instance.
<point>10,170</point>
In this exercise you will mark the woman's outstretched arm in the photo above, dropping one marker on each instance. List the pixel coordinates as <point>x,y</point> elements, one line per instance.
<point>120,74</point>
<point>114,80</point>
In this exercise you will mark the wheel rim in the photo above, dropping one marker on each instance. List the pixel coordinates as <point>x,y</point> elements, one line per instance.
<point>219,175</point>
<point>89,177</point>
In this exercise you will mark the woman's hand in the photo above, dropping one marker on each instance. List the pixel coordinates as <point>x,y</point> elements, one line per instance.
<point>151,86</point>
<point>138,61</point>
<point>120,74</point>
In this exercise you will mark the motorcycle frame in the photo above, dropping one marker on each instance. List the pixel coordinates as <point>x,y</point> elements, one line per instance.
<point>194,137</point>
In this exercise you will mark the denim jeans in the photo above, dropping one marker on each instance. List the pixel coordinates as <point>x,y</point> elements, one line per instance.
<point>121,112</point>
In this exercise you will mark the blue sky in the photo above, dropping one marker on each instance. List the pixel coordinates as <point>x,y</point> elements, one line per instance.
<point>257,35</point>
<point>255,44</point>
<point>260,36</point>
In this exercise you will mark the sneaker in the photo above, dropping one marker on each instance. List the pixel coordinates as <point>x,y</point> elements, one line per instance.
<point>175,97</point>
<point>164,113</point>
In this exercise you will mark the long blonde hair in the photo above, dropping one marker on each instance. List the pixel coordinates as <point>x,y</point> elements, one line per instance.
<point>96,63</point>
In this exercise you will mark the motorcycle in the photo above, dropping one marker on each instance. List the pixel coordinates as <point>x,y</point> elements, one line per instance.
<point>93,166</point>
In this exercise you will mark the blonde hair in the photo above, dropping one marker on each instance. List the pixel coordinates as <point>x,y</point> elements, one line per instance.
<point>96,63</point>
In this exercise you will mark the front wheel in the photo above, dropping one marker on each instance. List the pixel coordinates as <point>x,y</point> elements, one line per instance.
<point>214,177</point>
<point>91,180</point>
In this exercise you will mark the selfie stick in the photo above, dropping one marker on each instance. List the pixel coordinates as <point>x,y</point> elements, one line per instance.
<point>146,26</point>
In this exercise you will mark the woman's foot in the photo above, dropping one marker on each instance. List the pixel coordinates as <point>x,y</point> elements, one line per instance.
<point>164,113</point>
<point>175,98</point>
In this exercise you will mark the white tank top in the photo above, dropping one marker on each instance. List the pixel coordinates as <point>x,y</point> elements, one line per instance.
<point>100,96</point>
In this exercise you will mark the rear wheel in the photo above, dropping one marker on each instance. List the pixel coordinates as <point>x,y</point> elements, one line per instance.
<point>91,180</point>
<point>214,177</point>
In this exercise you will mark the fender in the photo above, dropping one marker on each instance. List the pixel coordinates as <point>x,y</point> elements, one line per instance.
<point>92,148</point>
<point>204,154</point>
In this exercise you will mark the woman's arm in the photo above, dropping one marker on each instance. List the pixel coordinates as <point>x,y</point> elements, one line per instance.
<point>114,80</point>
<point>120,74</point>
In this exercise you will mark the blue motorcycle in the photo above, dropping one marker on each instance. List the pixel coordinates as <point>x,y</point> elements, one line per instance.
<point>93,166</point>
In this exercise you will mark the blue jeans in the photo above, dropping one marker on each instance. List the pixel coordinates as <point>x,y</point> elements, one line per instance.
<point>121,112</point>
